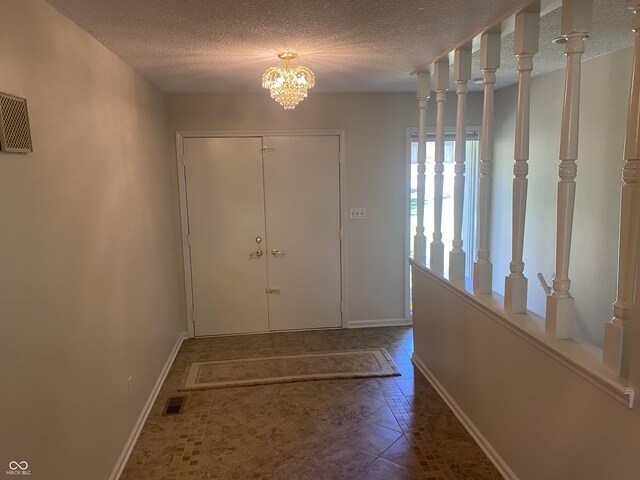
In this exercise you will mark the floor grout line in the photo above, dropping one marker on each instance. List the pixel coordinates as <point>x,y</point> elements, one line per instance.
<point>308,430</point>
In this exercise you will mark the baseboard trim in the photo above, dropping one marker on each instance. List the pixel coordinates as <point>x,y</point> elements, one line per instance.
<point>482,442</point>
<point>135,433</point>
<point>383,322</point>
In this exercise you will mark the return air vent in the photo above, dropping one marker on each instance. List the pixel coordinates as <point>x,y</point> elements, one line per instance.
<point>15,135</point>
<point>174,405</point>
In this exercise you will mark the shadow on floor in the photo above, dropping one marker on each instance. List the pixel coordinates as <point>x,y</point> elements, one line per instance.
<point>375,428</point>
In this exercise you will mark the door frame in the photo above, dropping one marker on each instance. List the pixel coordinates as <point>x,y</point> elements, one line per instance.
<point>181,135</point>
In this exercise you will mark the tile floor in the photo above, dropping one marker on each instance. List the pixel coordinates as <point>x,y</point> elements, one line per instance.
<point>377,428</point>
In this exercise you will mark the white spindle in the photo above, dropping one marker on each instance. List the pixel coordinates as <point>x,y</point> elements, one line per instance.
<point>575,25</point>
<point>617,331</point>
<point>489,63</point>
<point>423,92</point>
<point>441,73</point>
<point>525,47</point>
<point>462,74</point>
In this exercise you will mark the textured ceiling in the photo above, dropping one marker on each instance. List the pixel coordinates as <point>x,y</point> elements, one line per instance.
<point>611,31</point>
<point>198,46</point>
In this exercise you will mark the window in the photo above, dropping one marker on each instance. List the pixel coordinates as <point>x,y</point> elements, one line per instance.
<point>470,193</point>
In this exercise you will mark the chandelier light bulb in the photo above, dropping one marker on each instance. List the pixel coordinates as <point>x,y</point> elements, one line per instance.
<point>288,85</point>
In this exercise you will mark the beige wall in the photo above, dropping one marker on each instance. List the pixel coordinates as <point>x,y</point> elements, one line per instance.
<point>375,125</point>
<point>88,276</point>
<point>604,97</point>
<point>544,420</point>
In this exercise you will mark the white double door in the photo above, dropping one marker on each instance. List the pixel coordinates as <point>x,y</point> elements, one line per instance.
<point>264,232</point>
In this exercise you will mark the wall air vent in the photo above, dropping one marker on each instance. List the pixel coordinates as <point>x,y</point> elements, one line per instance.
<point>15,135</point>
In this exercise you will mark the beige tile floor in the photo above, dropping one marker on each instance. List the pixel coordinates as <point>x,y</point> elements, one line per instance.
<point>365,429</point>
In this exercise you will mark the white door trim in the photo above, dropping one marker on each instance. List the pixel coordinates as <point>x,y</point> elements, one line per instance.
<point>407,223</point>
<point>182,191</point>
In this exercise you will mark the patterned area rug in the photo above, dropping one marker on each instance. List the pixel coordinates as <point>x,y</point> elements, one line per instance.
<point>375,362</point>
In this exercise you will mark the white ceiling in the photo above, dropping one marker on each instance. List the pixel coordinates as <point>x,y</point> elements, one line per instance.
<point>198,46</point>
<point>612,22</point>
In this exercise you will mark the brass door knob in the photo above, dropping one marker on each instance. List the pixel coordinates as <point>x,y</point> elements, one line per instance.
<point>277,253</point>
<point>256,254</point>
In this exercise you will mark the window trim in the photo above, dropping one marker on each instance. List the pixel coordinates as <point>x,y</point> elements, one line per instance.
<point>412,132</point>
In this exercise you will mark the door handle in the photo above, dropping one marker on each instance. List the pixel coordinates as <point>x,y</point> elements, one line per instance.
<point>277,253</point>
<point>256,254</point>
<point>271,290</point>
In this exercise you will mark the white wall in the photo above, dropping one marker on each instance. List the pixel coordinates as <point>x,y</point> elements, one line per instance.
<point>544,420</point>
<point>88,275</point>
<point>604,97</point>
<point>375,125</point>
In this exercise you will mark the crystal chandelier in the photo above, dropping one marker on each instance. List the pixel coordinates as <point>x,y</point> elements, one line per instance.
<point>289,84</point>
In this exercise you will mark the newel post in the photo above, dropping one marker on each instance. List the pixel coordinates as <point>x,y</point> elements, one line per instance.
<point>441,84</point>
<point>525,47</point>
<point>423,92</point>
<point>575,26</point>
<point>617,344</point>
<point>489,63</point>
<point>462,75</point>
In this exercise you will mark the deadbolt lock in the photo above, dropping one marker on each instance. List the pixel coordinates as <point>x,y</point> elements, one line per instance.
<point>258,239</point>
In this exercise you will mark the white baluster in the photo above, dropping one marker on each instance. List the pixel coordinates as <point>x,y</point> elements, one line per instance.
<point>423,92</point>
<point>617,332</point>
<point>461,74</point>
<point>525,47</point>
<point>489,63</point>
<point>575,25</point>
<point>441,73</point>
